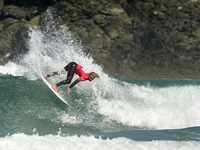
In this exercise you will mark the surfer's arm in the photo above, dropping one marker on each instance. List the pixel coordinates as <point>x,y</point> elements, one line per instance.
<point>74,83</point>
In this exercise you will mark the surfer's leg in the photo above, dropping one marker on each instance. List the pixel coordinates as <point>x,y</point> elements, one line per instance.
<point>71,71</point>
<point>71,68</point>
<point>66,68</point>
<point>70,64</point>
<point>54,73</point>
<point>51,74</point>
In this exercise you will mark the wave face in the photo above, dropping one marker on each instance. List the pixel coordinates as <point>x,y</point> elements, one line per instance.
<point>106,105</point>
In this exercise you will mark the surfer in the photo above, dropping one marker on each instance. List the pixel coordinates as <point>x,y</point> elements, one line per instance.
<point>72,68</point>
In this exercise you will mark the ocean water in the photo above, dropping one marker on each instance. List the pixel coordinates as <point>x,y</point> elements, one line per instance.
<point>108,113</point>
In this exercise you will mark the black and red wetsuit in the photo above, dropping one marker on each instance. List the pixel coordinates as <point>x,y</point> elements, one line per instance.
<point>72,68</point>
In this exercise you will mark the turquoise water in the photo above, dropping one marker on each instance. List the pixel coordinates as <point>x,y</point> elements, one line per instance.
<point>29,107</point>
<point>107,113</point>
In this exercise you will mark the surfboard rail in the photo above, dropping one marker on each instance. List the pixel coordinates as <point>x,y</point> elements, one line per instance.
<point>57,94</point>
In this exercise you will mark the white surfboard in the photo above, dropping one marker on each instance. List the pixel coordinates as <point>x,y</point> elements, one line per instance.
<point>49,85</point>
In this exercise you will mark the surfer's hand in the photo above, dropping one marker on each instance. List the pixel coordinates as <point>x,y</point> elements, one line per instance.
<point>68,90</point>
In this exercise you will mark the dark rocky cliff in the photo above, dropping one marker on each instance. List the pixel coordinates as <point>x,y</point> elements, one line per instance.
<point>129,38</point>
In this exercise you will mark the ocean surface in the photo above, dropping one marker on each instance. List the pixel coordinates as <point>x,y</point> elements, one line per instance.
<point>108,113</point>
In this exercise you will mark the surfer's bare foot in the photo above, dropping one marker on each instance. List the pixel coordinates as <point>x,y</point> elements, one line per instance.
<point>55,88</point>
<point>46,76</point>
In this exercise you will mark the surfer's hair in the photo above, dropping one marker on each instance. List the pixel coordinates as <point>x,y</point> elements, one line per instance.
<point>94,74</point>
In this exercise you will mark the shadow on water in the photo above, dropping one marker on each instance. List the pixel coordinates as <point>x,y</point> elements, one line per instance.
<point>186,134</point>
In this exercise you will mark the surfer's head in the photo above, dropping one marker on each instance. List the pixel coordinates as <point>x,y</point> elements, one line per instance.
<point>92,76</point>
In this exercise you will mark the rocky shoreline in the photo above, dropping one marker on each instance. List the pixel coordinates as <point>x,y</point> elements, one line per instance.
<point>130,39</point>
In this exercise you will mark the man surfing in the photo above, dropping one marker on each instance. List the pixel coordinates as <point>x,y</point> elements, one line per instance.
<point>73,68</point>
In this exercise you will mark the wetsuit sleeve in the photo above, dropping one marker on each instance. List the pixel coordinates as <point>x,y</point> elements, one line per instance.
<point>74,83</point>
